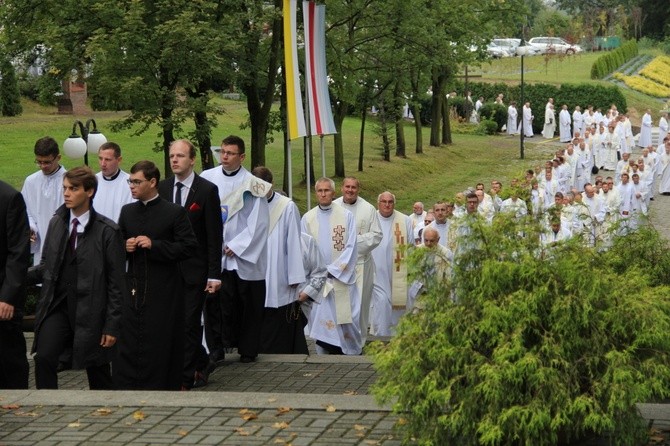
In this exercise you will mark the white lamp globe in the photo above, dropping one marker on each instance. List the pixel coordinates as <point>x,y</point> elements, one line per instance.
<point>95,140</point>
<point>74,147</point>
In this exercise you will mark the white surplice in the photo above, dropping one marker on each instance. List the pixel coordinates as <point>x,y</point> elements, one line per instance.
<point>112,195</point>
<point>43,194</point>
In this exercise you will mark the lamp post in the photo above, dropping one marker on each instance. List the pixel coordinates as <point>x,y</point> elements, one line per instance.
<point>89,142</point>
<point>522,50</point>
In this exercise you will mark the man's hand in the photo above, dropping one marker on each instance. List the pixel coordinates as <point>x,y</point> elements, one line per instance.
<point>107,340</point>
<point>143,241</point>
<point>131,244</point>
<point>6,311</point>
<point>212,286</point>
<point>302,297</point>
<point>228,252</point>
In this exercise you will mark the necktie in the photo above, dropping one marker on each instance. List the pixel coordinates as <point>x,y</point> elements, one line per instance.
<point>73,235</point>
<point>177,196</point>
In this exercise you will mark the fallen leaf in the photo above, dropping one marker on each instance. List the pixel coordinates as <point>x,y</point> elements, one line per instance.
<point>281,425</point>
<point>307,374</point>
<point>280,441</point>
<point>282,410</point>
<point>183,433</point>
<point>103,411</point>
<point>241,431</point>
<point>359,427</point>
<point>248,415</point>
<point>74,424</point>
<point>350,392</point>
<point>11,407</point>
<point>138,415</point>
<point>330,408</point>
<point>401,422</point>
<point>26,414</point>
<point>272,400</point>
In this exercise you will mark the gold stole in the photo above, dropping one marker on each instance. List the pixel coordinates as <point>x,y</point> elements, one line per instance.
<point>234,201</point>
<point>399,267</point>
<point>341,290</point>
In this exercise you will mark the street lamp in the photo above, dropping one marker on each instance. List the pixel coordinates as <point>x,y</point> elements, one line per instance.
<point>89,142</point>
<point>522,50</point>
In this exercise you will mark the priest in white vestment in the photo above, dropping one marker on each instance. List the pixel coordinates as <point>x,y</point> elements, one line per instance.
<point>245,215</point>
<point>43,193</point>
<point>527,120</point>
<point>512,119</point>
<point>644,137</point>
<point>662,127</point>
<point>389,295</point>
<point>564,122</point>
<point>113,191</point>
<point>664,168</point>
<point>549,122</point>
<point>583,167</point>
<point>369,235</point>
<point>609,147</point>
<point>335,322</point>
<point>577,121</point>
<point>612,203</point>
<point>283,327</point>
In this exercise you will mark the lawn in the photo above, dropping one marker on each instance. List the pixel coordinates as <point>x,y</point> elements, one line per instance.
<point>437,173</point>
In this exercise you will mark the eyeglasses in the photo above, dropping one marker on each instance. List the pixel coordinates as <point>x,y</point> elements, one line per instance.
<point>226,153</point>
<point>45,163</point>
<point>135,182</point>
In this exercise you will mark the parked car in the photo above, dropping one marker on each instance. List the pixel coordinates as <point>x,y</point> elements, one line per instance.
<point>512,44</point>
<point>497,51</point>
<point>554,45</point>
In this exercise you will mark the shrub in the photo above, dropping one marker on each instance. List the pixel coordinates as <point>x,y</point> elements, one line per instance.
<point>609,62</point>
<point>487,127</point>
<point>494,112</point>
<point>539,346</point>
<point>10,96</point>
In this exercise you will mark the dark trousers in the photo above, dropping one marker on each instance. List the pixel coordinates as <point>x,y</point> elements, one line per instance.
<point>13,359</point>
<point>195,357</point>
<point>213,322</point>
<point>55,335</point>
<point>242,306</point>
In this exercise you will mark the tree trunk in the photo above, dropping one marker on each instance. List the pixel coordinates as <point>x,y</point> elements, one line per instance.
<point>340,114</point>
<point>418,129</point>
<point>398,104</point>
<point>203,127</point>
<point>361,143</point>
<point>384,131</point>
<point>436,113</point>
<point>168,137</point>
<point>446,128</point>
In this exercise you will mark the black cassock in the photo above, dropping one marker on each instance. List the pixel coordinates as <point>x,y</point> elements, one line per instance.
<point>151,346</point>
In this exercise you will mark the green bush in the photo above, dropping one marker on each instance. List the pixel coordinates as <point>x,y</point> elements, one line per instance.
<point>487,127</point>
<point>494,112</point>
<point>609,62</point>
<point>532,345</point>
<point>10,96</point>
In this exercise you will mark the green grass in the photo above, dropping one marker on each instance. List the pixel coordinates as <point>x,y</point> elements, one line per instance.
<point>437,173</point>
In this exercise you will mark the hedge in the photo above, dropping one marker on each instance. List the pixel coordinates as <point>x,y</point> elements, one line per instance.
<point>599,96</point>
<point>609,62</point>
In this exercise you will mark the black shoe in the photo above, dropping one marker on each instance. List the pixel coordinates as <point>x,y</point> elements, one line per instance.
<point>247,359</point>
<point>217,357</point>
<point>200,379</point>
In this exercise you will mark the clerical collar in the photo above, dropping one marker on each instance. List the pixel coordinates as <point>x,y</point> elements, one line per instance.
<point>54,172</point>
<point>113,177</point>
<point>150,199</point>
<point>271,197</point>
<point>230,173</point>
<point>326,208</point>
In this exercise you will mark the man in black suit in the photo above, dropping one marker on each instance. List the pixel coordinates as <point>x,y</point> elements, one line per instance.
<point>14,262</point>
<point>202,273</point>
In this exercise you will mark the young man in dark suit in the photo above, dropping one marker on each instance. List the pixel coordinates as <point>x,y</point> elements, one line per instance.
<point>202,272</point>
<point>14,262</point>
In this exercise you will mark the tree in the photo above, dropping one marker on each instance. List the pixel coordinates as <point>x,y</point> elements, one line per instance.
<point>10,97</point>
<point>532,344</point>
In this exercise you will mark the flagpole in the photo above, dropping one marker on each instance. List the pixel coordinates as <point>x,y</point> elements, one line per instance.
<point>323,157</point>
<point>289,165</point>
<point>308,153</point>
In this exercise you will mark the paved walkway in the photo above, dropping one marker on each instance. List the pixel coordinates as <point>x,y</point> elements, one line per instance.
<point>297,400</point>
